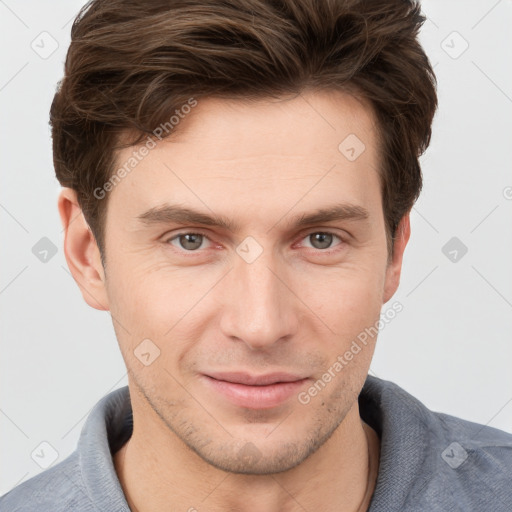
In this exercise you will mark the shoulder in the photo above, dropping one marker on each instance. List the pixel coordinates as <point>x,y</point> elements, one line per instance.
<point>435,461</point>
<point>86,480</point>
<point>486,450</point>
<point>471,466</point>
<point>57,489</point>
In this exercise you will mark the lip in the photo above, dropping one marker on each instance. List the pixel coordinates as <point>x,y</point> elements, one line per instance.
<point>255,380</point>
<point>255,391</point>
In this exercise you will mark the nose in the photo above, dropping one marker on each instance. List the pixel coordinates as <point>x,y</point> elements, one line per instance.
<point>260,309</point>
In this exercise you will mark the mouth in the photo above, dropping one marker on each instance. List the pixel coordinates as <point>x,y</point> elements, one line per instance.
<point>255,391</point>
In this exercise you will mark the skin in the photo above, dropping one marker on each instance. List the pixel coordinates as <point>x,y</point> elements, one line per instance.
<point>296,308</point>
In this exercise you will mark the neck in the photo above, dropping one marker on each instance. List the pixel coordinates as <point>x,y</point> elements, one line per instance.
<point>158,471</point>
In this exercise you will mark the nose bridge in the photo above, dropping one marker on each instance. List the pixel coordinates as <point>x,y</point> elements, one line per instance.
<point>259,306</point>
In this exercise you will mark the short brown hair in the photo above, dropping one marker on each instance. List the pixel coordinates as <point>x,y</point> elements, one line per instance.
<point>132,63</point>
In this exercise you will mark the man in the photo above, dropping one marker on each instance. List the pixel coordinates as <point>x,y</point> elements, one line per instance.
<point>237,181</point>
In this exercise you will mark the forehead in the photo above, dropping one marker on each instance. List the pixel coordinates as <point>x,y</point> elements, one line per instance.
<point>310,148</point>
<point>288,126</point>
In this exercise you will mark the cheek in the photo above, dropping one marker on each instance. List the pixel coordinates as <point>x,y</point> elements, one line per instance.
<point>155,301</point>
<point>348,293</point>
<point>136,303</point>
<point>347,302</point>
<point>147,315</point>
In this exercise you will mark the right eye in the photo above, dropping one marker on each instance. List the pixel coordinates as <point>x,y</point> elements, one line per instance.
<point>188,241</point>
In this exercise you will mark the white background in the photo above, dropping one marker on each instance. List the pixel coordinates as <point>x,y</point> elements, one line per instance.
<point>451,346</point>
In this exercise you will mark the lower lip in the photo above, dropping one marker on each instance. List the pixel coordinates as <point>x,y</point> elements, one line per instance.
<point>256,397</point>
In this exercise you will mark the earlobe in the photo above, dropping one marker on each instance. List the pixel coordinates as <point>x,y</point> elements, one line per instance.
<point>394,268</point>
<point>82,252</point>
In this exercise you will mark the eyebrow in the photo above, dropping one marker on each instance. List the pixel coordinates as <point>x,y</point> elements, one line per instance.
<point>168,213</point>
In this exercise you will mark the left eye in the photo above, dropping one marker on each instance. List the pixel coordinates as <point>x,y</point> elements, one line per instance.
<point>321,239</point>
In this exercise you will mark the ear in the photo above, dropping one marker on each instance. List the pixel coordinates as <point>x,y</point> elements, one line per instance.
<point>82,252</point>
<point>394,267</point>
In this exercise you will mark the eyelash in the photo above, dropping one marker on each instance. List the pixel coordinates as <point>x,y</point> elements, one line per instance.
<point>327,251</point>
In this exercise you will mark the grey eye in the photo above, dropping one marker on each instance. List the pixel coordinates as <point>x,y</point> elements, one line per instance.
<point>321,240</point>
<point>190,241</point>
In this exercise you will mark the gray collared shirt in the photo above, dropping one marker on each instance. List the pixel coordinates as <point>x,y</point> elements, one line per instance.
<point>429,461</point>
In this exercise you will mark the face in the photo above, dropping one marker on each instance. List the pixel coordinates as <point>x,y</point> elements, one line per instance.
<point>244,252</point>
